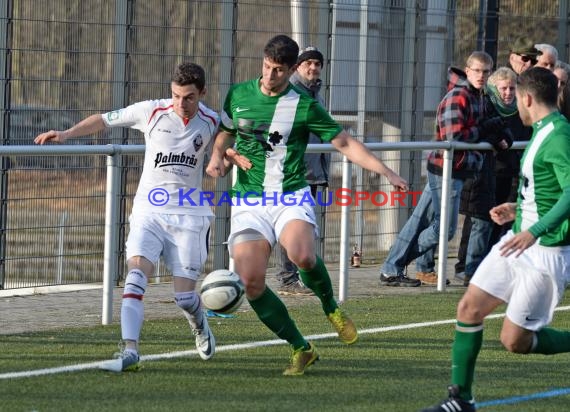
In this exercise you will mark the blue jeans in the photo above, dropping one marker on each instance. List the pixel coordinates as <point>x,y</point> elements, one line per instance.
<point>426,262</point>
<point>420,234</point>
<point>478,245</point>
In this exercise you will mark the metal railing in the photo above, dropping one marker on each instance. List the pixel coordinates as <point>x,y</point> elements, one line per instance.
<point>115,153</point>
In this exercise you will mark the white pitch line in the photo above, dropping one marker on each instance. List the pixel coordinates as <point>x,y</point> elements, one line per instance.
<point>225,348</point>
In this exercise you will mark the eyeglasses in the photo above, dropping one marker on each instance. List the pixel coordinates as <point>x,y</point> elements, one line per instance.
<point>526,58</point>
<point>485,72</point>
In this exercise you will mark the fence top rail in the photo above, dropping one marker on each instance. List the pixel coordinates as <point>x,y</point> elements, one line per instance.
<point>115,149</point>
<point>78,150</point>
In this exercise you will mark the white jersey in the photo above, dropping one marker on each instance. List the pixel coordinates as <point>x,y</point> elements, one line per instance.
<point>171,181</point>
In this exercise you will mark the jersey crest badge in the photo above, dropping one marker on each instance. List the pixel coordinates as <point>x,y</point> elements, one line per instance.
<point>198,142</point>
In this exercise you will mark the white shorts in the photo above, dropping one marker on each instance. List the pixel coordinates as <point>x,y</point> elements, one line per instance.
<point>532,284</point>
<point>270,219</point>
<point>182,240</point>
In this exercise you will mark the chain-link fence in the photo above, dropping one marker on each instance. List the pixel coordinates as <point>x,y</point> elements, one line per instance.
<point>62,60</point>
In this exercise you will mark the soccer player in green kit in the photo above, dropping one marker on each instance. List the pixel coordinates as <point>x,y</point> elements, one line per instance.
<point>529,268</point>
<point>265,129</point>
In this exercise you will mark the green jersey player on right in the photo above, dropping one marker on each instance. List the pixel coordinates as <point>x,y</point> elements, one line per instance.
<point>270,122</point>
<point>529,268</point>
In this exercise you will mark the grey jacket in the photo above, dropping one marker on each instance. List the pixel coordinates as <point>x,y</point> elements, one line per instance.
<point>317,164</point>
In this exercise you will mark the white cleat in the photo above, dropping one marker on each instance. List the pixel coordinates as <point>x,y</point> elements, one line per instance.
<point>205,341</point>
<point>124,361</point>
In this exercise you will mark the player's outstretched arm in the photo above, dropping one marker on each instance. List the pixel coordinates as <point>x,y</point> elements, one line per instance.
<point>90,125</point>
<point>359,154</point>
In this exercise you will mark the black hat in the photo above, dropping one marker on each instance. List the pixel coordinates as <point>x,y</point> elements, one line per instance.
<point>310,53</point>
<point>524,46</point>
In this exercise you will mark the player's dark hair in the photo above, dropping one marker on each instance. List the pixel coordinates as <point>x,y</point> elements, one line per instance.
<point>189,73</point>
<point>282,49</point>
<point>541,83</point>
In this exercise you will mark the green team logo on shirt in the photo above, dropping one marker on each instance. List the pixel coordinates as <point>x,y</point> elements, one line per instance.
<point>275,137</point>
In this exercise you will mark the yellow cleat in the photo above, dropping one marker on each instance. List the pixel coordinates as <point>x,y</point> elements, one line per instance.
<point>300,360</point>
<point>344,326</point>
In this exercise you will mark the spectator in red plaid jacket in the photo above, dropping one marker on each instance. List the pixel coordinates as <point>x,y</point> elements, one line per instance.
<point>459,118</point>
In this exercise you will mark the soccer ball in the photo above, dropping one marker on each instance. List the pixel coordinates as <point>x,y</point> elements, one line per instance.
<point>222,291</point>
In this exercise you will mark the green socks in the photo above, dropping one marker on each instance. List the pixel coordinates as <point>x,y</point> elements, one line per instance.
<point>466,347</point>
<point>273,313</point>
<point>550,341</point>
<point>318,280</point>
<point>467,344</point>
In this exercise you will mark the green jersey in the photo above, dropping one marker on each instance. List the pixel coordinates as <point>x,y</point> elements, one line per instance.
<point>273,132</point>
<point>545,174</point>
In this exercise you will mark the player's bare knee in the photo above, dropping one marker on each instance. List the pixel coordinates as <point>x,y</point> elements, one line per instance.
<point>254,287</point>
<point>516,342</point>
<point>509,344</point>
<point>305,261</point>
<point>253,290</point>
<point>469,312</point>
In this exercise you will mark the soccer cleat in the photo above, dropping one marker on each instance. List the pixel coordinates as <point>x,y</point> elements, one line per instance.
<point>453,404</point>
<point>344,326</point>
<point>205,341</point>
<point>125,361</point>
<point>429,278</point>
<point>294,288</point>
<point>300,360</point>
<point>398,280</point>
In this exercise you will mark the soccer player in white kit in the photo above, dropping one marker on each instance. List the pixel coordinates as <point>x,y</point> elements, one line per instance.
<point>529,268</point>
<point>167,218</point>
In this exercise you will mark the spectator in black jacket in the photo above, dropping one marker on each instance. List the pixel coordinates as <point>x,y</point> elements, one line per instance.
<point>507,167</point>
<point>479,193</point>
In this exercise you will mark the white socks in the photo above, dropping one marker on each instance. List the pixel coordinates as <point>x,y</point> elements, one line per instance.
<point>132,308</point>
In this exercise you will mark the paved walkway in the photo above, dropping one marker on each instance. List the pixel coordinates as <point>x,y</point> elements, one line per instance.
<point>45,311</point>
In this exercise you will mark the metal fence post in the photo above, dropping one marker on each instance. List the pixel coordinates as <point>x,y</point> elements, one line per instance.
<point>111,255</point>
<point>60,248</point>
<point>6,27</point>
<point>444,219</point>
<point>344,233</point>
